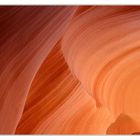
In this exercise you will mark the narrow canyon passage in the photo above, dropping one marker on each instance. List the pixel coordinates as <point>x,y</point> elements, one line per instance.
<point>70,70</point>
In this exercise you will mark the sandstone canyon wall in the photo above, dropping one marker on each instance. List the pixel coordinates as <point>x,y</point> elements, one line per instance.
<point>70,70</point>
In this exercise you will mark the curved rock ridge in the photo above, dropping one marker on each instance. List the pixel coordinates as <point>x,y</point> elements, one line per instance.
<point>70,70</point>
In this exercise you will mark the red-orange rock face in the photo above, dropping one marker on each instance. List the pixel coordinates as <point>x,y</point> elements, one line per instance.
<point>70,70</point>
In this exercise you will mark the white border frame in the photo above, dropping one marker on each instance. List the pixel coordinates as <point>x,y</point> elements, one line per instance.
<point>69,2</point>
<point>58,137</point>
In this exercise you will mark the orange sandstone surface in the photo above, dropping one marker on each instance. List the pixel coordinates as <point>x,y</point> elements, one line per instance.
<point>70,70</point>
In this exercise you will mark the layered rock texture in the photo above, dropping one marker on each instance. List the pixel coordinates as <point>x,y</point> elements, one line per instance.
<point>70,70</point>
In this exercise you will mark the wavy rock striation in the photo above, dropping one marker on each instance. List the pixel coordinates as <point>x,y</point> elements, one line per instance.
<point>70,70</point>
